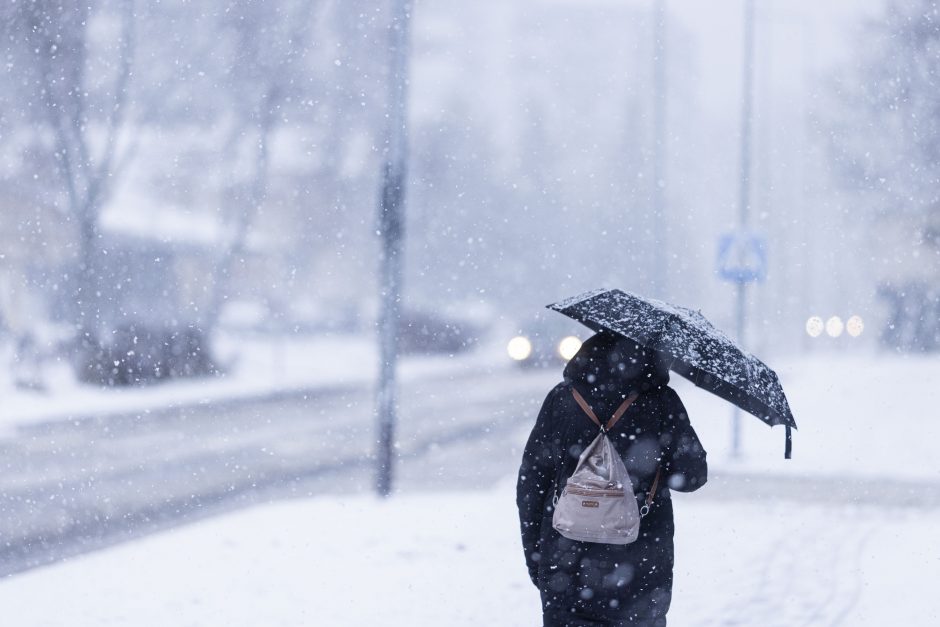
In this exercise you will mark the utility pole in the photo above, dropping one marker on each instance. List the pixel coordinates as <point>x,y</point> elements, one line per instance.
<point>744,197</point>
<point>660,231</point>
<point>391,231</point>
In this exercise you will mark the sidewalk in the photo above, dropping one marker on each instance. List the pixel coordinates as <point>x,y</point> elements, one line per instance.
<point>455,559</point>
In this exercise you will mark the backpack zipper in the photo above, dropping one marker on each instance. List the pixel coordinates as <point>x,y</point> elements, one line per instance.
<point>589,492</point>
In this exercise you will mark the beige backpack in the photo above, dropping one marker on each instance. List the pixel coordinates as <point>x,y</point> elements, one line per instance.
<point>598,503</point>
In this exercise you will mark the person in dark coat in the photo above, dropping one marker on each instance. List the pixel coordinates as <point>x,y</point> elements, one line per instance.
<point>585,583</point>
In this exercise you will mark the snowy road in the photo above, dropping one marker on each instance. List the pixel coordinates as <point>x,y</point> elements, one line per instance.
<point>73,487</point>
<point>70,487</point>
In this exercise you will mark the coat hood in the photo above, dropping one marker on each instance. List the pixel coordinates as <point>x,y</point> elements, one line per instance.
<point>609,367</point>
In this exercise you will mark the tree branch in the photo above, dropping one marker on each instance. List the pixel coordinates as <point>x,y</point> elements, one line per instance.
<point>98,186</point>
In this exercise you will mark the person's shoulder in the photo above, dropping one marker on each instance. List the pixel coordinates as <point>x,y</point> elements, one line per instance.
<point>667,398</point>
<point>669,393</point>
<point>661,393</point>
<point>552,406</point>
<point>554,394</point>
<point>675,409</point>
<point>558,391</point>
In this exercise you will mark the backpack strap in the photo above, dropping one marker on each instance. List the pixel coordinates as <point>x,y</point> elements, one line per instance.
<point>610,424</point>
<point>652,493</point>
<point>590,412</point>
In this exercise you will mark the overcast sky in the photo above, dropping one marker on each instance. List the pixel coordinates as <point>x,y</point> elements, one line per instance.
<point>793,37</point>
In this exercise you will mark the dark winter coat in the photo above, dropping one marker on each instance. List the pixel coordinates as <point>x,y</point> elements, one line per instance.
<point>584,583</point>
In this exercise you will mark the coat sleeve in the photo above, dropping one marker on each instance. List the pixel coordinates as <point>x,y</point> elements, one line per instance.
<point>536,481</point>
<point>685,468</point>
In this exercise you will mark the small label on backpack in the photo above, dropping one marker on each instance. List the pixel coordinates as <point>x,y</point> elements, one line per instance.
<point>590,504</point>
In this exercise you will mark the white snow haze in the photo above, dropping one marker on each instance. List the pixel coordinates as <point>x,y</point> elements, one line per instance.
<point>273,288</point>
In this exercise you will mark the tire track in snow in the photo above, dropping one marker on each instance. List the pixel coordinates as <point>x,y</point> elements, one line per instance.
<point>853,594</point>
<point>809,576</point>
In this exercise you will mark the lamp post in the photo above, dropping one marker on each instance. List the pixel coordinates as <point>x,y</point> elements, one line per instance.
<point>391,232</point>
<point>660,234</point>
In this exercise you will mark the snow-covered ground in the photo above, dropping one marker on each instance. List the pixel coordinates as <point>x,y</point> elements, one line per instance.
<point>860,414</point>
<point>455,559</point>
<point>258,366</point>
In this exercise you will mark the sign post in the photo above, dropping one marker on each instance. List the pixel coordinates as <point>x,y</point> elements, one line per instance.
<point>742,259</point>
<point>739,259</point>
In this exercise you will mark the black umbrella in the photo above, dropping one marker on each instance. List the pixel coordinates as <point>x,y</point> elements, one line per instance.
<point>694,348</point>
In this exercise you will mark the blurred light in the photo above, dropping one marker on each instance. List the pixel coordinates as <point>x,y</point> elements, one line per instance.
<point>814,326</point>
<point>855,326</point>
<point>519,348</point>
<point>834,326</point>
<point>569,347</point>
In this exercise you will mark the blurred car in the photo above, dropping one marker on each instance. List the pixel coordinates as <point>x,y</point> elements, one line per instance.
<point>427,333</point>
<point>545,340</point>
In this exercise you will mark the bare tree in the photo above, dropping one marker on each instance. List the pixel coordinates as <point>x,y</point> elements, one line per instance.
<point>266,76</point>
<point>886,138</point>
<point>83,111</point>
<point>885,143</point>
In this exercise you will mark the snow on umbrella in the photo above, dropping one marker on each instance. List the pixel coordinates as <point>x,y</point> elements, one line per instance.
<point>693,347</point>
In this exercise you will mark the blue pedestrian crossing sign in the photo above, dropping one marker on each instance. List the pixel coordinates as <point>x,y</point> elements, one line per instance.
<point>742,257</point>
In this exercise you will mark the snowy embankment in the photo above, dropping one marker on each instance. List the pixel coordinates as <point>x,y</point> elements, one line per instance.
<point>455,559</point>
<point>257,368</point>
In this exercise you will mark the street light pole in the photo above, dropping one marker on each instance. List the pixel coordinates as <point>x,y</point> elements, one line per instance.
<point>391,231</point>
<point>660,235</point>
<point>744,197</point>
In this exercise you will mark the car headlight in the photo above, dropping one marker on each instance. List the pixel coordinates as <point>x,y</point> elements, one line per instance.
<point>815,326</point>
<point>834,326</point>
<point>519,348</point>
<point>855,325</point>
<point>569,347</point>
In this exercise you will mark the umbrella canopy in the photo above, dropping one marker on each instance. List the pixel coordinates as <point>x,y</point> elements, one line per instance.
<point>692,346</point>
